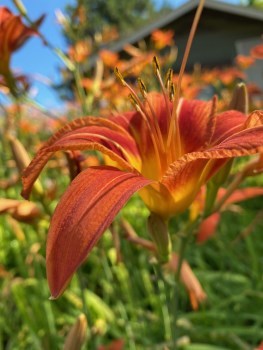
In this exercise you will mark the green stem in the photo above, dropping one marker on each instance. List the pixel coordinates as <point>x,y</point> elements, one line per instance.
<point>185,239</point>
<point>230,189</point>
<point>82,292</point>
<point>80,90</point>
<point>162,286</point>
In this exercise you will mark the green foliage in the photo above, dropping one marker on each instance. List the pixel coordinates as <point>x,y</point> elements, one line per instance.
<point>256,3</point>
<point>125,16</point>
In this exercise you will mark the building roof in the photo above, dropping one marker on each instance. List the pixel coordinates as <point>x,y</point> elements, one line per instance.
<point>165,20</point>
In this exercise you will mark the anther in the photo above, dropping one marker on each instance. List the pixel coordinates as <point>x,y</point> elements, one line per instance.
<point>134,102</point>
<point>142,87</point>
<point>156,66</point>
<point>168,79</point>
<point>119,76</point>
<point>171,91</point>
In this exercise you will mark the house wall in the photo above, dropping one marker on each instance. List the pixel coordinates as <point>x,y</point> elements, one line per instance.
<point>216,37</point>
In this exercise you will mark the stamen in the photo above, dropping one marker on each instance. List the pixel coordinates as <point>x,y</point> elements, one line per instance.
<point>140,108</point>
<point>212,121</point>
<point>174,119</point>
<point>125,84</point>
<point>156,65</point>
<point>171,92</point>
<point>119,76</point>
<point>142,87</point>
<point>153,137</point>
<point>169,84</point>
<point>168,78</point>
<point>156,68</point>
<point>155,119</point>
<point>133,101</point>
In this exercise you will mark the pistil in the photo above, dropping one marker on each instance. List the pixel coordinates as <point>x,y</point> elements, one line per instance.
<point>154,117</point>
<point>174,132</point>
<point>166,99</point>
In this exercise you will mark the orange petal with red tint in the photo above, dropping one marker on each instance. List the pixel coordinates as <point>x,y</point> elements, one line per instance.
<point>186,175</point>
<point>243,143</point>
<point>196,119</point>
<point>257,52</point>
<point>254,119</point>
<point>196,293</point>
<point>85,134</point>
<point>207,227</point>
<point>84,212</point>
<point>241,195</point>
<point>13,32</point>
<point>227,123</point>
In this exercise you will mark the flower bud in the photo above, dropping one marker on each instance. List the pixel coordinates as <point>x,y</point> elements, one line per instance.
<point>22,160</point>
<point>239,100</point>
<point>77,334</point>
<point>20,154</point>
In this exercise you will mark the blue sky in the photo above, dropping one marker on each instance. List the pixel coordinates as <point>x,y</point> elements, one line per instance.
<point>36,59</point>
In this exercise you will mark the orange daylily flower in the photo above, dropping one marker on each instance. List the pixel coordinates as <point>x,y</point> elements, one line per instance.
<point>80,51</point>
<point>162,38</point>
<point>166,152</point>
<point>114,345</point>
<point>191,283</point>
<point>230,75</point>
<point>20,210</point>
<point>13,34</point>
<point>257,52</point>
<point>260,346</point>
<point>208,226</point>
<point>244,62</point>
<point>109,58</point>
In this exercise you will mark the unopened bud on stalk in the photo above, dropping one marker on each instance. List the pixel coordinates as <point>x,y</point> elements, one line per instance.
<point>77,334</point>
<point>239,100</point>
<point>16,229</point>
<point>20,6</point>
<point>158,230</point>
<point>22,159</point>
<point>20,155</point>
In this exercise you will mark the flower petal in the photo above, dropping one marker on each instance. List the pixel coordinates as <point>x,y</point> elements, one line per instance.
<point>257,52</point>
<point>207,227</point>
<point>189,280</point>
<point>136,125</point>
<point>254,119</point>
<point>83,134</point>
<point>227,123</point>
<point>185,176</point>
<point>244,143</point>
<point>84,212</point>
<point>231,122</point>
<point>13,32</point>
<point>241,195</point>
<point>195,123</point>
